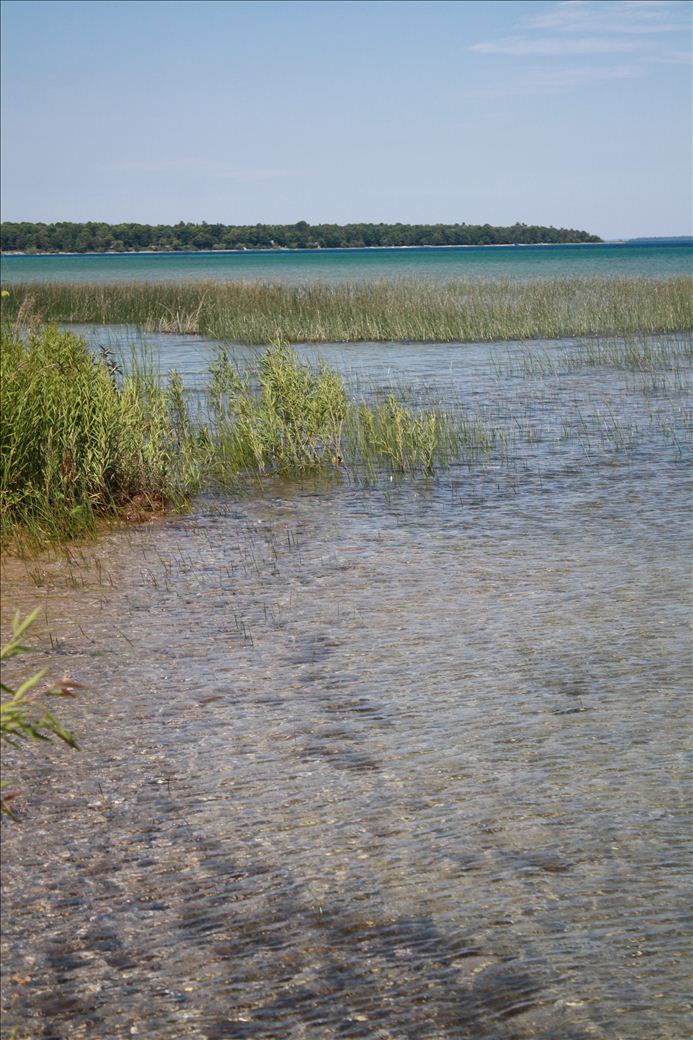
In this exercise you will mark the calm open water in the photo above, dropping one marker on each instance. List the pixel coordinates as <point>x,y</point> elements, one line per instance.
<point>333,265</point>
<point>399,761</point>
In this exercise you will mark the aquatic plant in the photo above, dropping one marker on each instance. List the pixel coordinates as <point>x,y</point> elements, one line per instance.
<point>77,444</point>
<point>24,715</point>
<point>639,354</point>
<point>472,311</point>
<point>82,442</point>
<point>289,419</point>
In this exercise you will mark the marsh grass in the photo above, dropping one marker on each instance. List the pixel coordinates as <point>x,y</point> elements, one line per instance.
<point>82,442</point>
<point>638,354</point>
<point>286,419</point>
<point>290,417</point>
<point>24,714</point>
<point>473,311</point>
<point>85,440</point>
<point>78,445</point>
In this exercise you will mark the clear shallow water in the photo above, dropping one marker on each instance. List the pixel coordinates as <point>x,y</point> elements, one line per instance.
<point>401,761</point>
<point>354,265</point>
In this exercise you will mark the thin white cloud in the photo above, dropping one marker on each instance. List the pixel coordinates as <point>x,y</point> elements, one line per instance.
<point>673,58</point>
<point>623,16</point>
<point>521,45</point>
<point>592,30</point>
<point>538,81</point>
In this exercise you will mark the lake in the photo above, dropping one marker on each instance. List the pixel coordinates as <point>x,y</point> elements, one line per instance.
<point>661,260</point>
<point>399,758</point>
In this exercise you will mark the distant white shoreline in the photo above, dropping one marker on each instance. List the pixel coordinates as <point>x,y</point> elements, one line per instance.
<point>683,240</point>
<point>286,249</point>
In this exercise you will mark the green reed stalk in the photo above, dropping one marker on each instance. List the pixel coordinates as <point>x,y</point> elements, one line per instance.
<point>261,313</point>
<point>24,715</point>
<point>80,443</point>
<point>75,444</point>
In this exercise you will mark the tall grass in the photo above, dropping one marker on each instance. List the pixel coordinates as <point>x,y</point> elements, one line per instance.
<point>260,313</point>
<point>640,354</point>
<point>289,418</point>
<point>24,715</point>
<point>79,443</point>
<point>75,444</point>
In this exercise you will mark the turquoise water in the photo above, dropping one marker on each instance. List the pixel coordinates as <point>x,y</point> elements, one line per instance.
<point>664,260</point>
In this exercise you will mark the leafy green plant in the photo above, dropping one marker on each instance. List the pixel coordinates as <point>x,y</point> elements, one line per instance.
<point>23,711</point>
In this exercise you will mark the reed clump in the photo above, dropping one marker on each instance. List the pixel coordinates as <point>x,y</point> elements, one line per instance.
<point>81,441</point>
<point>76,444</point>
<point>290,417</point>
<point>473,311</point>
<point>286,418</point>
<point>639,354</point>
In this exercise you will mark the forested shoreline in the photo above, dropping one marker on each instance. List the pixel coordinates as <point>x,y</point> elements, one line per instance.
<point>96,237</point>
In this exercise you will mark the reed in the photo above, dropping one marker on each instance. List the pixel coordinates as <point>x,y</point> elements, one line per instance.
<point>76,445</point>
<point>291,417</point>
<point>24,714</point>
<point>286,420</point>
<point>261,313</point>
<point>640,354</point>
<point>81,442</point>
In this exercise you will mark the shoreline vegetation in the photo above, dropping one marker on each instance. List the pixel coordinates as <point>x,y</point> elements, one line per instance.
<point>83,443</point>
<point>260,313</point>
<point>680,241</point>
<point>287,249</point>
<point>24,237</point>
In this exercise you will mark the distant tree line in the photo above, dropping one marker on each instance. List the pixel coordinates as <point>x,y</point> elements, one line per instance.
<point>95,237</point>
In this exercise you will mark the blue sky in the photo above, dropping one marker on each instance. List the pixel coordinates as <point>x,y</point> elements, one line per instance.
<point>570,113</point>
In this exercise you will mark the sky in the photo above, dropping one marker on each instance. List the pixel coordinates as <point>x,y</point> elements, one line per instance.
<point>574,114</point>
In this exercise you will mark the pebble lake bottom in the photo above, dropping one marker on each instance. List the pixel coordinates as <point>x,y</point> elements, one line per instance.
<point>402,759</point>
<point>663,259</point>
